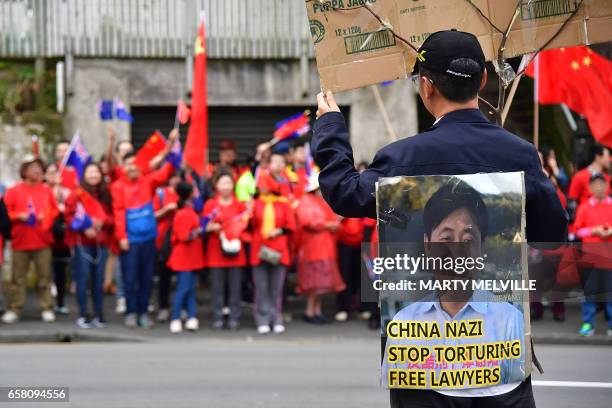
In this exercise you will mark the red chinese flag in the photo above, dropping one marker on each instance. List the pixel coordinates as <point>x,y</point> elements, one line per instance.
<point>197,138</point>
<point>152,147</point>
<point>581,79</point>
<point>92,206</point>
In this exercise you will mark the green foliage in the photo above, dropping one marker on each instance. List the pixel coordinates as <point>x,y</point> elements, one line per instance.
<point>28,99</point>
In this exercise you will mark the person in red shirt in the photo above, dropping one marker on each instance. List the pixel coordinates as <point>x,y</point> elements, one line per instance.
<point>579,190</point>
<point>32,209</point>
<point>186,258</point>
<point>136,231</point>
<point>165,204</point>
<point>594,226</point>
<point>90,221</point>
<point>60,252</point>
<point>272,223</point>
<point>317,264</point>
<point>227,217</point>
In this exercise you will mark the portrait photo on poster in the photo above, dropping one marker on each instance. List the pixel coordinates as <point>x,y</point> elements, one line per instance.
<point>452,281</point>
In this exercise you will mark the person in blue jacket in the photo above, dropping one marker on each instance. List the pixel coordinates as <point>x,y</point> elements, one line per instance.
<point>450,71</point>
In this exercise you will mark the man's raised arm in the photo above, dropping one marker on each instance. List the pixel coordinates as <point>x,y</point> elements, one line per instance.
<point>348,193</point>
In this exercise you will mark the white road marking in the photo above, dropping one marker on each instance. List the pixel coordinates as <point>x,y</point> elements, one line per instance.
<point>575,384</point>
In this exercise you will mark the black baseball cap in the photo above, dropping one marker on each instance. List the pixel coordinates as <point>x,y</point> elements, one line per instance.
<point>442,47</point>
<point>597,176</point>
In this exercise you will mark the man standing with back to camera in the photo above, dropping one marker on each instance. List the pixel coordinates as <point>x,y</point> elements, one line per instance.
<point>450,73</point>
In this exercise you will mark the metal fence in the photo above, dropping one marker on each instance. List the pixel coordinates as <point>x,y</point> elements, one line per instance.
<point>153,28</point>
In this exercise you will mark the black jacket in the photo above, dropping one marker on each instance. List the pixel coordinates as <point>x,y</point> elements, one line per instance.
<point>462,142</point>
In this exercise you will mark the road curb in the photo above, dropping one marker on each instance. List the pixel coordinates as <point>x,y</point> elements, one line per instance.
<point>66,336</point>
<point>571,340</point>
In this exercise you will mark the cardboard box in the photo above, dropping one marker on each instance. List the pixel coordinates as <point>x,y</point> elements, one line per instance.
<point>353,49</point>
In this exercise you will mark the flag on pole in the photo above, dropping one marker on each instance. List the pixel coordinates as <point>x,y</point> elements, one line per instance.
<point>76,158</point>
<point>105,108</point>
<point>155,144</point>
<point>293,127</point>
<point>121,112</point>
<point>182,112</point>
<point>175,155</point>
<point>197,137</point>
<point>579,78</point>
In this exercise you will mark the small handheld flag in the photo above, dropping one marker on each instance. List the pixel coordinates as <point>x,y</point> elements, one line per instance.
<point>182,112</point>
<point>293,127</point>
<point>121,112</point>
<point>154,145</point>
<point>105,108</point>
<point>81,220</point>
<point>31,221</point>
<point>77,157</point>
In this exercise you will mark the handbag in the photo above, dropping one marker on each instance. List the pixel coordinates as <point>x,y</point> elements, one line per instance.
<point>269,255</point>
<point>229,247</point>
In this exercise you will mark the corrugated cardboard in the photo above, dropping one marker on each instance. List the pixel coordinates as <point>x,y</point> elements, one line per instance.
<point>353,49</point>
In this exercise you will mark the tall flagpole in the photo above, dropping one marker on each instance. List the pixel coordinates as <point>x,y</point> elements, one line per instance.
<point>536,104</point>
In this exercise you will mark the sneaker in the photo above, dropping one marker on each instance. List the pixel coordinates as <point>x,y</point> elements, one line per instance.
<point>131,320</point>
<point>121,307</point>
<point>217,325</point>
<point>586,330</point>
<point>192,324</point>
<point>145,322</point>
<point>163,315</point>
<point>9,317</point>
<point>341,316</point>
<point>176,326</point>
<point>365,315</point>
<point>83,323</point>
<point>609,332</point>
<point>278,328</point>
<point>263,329</point>
<point>62,311</point>
<point>98,322</point>
<point>47,316</point>
<point>233,325</point>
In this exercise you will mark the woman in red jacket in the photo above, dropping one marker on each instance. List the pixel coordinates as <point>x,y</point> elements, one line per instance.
<point>186,258</point>
<point>89,219</point>
<point>317,265</point>
<point>32,209</point>
<point>272,222</point>
<point>225,255</point>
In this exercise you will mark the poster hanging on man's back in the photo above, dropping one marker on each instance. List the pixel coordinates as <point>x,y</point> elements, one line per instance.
<point>453,283</point>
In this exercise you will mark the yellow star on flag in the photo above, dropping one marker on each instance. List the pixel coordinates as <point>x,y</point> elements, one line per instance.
<point>199,46</point>
<point>575,65</point>
<point>586,61</point>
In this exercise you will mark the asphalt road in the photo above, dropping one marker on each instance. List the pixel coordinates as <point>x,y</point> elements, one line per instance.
<point>260,372</point>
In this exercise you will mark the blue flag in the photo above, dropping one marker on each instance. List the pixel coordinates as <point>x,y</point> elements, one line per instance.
<point>77,156</point>
<point>121,112</point>
<point>106,109</point>
<point>81,220</point>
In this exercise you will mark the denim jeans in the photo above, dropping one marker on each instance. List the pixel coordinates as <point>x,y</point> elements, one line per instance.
<point>597,288</point>
<point>138,267</point>
<point>184,297</point>
<point>88,264</point>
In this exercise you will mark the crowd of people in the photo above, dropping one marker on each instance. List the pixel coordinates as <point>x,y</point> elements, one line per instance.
<point>126,227</point>
<point>587,262</point>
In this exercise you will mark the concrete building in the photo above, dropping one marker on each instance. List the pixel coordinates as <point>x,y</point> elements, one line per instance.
<point>260,67</point>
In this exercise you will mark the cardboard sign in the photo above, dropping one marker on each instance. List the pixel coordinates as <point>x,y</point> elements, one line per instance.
<point>354,49</point>
<point>453,281</point>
